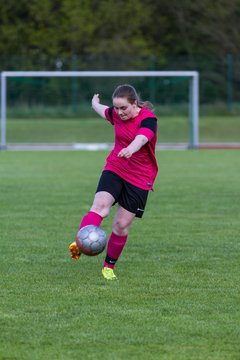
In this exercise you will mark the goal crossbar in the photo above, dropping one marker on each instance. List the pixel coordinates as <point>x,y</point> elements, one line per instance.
<point>193,91</point>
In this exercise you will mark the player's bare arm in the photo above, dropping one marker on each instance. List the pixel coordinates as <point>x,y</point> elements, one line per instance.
<point>99,108</point>
<point>136,144</point>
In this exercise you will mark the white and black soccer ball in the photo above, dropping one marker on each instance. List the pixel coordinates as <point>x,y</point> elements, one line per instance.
<point>91,240</point>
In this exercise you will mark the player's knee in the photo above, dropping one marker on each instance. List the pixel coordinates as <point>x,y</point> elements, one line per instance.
<point>120,227</point>
<point>101,208</point>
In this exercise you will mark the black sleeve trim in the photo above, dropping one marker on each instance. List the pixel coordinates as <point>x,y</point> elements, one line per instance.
<point>150,123</point>
<point>110,111</point>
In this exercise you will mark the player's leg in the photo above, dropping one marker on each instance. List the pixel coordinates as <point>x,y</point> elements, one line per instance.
<point>108,190</point>
<point>117,241</point>
<point>99,210</point>
<point>132,203</point>
<point>119,235</point>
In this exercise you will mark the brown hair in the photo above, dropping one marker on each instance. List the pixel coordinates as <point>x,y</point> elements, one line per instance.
<point>130,93</point>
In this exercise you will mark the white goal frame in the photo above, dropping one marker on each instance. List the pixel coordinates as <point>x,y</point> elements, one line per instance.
<point>193,92</point>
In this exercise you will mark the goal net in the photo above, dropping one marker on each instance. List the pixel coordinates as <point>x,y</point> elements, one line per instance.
<point>54,107</point>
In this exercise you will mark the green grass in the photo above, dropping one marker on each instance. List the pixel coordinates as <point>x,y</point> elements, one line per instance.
<point>177,294</point>
<point>171,129</point>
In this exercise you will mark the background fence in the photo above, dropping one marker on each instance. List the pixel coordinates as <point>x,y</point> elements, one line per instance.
<point>57,100</point>
<point>219,78</point>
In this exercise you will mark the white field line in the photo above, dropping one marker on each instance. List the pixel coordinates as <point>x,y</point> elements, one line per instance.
<point>82,146</point>
<point>109,146</point>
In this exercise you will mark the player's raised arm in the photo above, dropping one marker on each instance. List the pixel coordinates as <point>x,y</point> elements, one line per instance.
<point>99,108</point>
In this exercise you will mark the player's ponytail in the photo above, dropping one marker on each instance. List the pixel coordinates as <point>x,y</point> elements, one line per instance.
<point>130,93</point>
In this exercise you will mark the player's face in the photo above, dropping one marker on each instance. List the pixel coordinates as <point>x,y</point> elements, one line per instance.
<point>124,109</point>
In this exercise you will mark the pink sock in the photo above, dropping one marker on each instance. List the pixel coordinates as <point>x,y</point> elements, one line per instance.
<point>91,218</point>
<point>115,247</point>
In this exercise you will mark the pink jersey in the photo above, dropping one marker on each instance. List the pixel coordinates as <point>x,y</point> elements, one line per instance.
<point>141,168</point>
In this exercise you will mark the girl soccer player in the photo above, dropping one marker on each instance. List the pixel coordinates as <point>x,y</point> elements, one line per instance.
<point>129,172</point>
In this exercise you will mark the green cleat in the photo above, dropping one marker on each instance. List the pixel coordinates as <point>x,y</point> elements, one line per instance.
<point>108,274</point>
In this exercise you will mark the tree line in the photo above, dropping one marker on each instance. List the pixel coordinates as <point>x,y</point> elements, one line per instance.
<point>126,35</point>
<point>58,29</point>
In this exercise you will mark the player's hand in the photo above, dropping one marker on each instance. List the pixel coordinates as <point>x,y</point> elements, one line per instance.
<point>95,99</point>
<point>125,153</point>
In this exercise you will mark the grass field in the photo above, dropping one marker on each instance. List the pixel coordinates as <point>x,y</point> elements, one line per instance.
<point>171,129</point>
<point>177,296</point>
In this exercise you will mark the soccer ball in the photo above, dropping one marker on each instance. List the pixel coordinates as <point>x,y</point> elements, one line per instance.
<point>91,240</point>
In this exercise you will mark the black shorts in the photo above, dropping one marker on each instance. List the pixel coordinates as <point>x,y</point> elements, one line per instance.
<point>129,196</point>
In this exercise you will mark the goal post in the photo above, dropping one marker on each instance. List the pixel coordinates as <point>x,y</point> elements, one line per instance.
<point>193,92</point>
